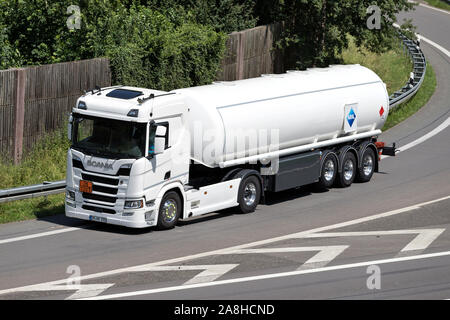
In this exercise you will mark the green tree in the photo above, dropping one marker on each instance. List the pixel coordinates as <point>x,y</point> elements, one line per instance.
<point>9,56</point>
<point>165,48</point>
<point>222,15</point>
<point>315,31</point>
<point>147,49</point>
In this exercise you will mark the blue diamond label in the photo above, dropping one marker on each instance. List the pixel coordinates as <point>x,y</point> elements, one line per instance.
<point>350,117</point>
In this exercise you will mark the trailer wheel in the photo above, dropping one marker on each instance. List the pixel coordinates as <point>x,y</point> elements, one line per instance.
<point>348,170</point>
<point>249,194</point>
<point>328,172</point>
<point>367,168</point>
<point>169,210</point>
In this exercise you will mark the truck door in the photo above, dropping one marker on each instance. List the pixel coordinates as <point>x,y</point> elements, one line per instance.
<point>160,153</point>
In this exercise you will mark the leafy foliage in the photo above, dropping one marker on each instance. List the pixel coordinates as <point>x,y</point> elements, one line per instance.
<point>223,15</point>
<point>315,31</point>
<point>162,49</point>
<point>166,44</point>
<point>147,49</point>
<point>10,57</point>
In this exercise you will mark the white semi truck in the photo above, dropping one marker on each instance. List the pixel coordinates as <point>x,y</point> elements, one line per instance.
<point>143,157</point>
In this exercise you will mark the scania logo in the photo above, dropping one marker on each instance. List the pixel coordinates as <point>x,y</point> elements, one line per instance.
<point>99,164</point>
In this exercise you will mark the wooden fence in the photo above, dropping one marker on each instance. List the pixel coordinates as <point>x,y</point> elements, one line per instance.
<point>250,53</point>
<point>37,100</point>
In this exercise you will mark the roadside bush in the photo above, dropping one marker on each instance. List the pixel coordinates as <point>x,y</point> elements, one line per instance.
<point>45,162</point>
<point>9,56</point>
<point>147,49</point>
<point>163,49</point>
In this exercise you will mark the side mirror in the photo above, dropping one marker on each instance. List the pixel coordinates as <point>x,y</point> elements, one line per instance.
<point>69,128</point>
<point>160,145</point>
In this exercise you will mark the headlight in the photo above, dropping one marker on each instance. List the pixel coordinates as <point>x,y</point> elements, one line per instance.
<point>134,204</point>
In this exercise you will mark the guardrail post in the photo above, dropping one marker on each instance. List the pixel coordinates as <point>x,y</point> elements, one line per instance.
<point>19,112</point>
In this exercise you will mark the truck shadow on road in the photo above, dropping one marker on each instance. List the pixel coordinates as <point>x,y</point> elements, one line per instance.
<point>269,200</point>
<point>64,221</point>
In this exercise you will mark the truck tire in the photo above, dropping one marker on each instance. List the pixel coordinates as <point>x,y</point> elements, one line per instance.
<point>328,171</point>
<point>249,194</point>
<point>367,167</point>
<point>348,170</point>
<point>169,210</point>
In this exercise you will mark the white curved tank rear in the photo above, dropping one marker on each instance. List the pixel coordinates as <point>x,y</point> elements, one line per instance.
<point>291,109</point>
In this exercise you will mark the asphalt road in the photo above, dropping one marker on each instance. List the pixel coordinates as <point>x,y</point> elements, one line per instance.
<point>302,244</point>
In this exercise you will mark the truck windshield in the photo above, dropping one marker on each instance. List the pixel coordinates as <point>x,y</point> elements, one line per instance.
<point>108,138</point>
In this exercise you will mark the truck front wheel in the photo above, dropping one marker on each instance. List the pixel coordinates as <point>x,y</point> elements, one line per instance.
<point>249,194</point>
<point>169,210</point>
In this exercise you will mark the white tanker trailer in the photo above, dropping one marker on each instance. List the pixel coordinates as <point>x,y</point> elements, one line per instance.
<point>143,157</point>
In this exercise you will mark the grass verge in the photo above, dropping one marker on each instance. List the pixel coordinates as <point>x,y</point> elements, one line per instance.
<point>31,208</point>
<point>422,96</point>
<point>46,162</point>
<point>439,4</point>
<point>393,66</point>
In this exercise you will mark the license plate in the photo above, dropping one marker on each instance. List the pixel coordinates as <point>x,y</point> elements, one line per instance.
<point>98,219</point>
<point>86,186</point>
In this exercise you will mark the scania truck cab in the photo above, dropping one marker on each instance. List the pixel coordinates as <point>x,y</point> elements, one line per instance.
<point>130,157</point>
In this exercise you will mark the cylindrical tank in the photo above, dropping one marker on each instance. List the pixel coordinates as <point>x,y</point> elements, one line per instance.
<point>235,119</point>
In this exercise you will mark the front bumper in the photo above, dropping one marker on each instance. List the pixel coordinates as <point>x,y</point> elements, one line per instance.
<point>137,220</point>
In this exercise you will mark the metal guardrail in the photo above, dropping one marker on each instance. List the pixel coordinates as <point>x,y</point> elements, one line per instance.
<point>417,75</point>
<point>37,190</point>
<point>398,97</point>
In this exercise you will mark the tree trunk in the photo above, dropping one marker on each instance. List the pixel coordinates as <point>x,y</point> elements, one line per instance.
<point>319,42</point>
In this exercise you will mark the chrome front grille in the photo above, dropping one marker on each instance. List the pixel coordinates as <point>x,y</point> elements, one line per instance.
<point>113,181</point>
<point>106,190</point>
<point>97,197</point>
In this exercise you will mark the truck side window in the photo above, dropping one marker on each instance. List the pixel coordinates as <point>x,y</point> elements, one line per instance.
<point>151,140</point>
<point>152,135</point>
<point>166,135</point>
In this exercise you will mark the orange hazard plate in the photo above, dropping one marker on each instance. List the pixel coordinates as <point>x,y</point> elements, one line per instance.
<point>86,186</point>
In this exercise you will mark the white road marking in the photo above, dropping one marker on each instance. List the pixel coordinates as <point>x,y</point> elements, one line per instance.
<point>89,290</point>
<point>238,247</point>
<point>425,137</point>
<point>39,235</point>
<point>429,7</point>
<point>434,44</point>
<point>430,134</point>
<point>325,255</point>
<point>82,290</point>
<point>270,276</point>
<point>209,273</point>
<point>443,125</point>
<point>430,42</point>
<point>423,239</point>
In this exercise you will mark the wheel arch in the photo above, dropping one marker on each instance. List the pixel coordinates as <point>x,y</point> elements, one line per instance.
<point>325,154</point>
<point>363,147</point>
<point>178,188</point>
<point>342,151</point>
<point>244,173</point>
